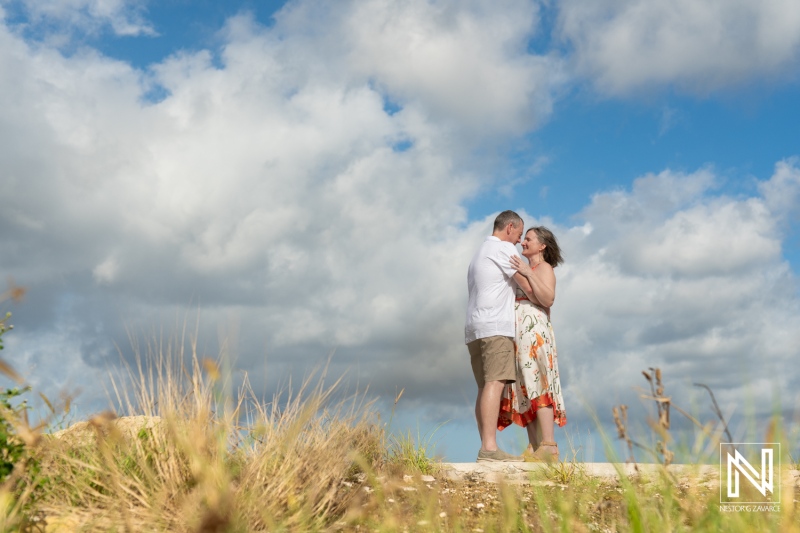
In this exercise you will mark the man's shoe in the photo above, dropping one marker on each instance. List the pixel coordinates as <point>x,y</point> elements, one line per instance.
<point>497,456</point>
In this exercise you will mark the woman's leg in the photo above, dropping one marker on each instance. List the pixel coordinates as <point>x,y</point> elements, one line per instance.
<point>545,423</point>
<point>534,436</point>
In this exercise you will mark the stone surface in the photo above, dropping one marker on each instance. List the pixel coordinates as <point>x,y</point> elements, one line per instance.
<point>126,427</point>
<point>707,475</point>
<point>521,472</point>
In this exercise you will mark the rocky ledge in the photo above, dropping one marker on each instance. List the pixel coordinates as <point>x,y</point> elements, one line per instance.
<point>524,472</point>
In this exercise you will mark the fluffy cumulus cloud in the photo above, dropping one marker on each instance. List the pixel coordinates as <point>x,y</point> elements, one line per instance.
<point>671,274</point>
<point>463,64</point>
<point>701,46</point>
<point>291,182</point>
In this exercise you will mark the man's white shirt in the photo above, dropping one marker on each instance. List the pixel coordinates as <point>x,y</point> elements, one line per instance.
<point>490,310</point>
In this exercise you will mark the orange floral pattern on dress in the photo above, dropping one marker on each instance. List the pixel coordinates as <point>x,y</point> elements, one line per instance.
<point>538,383</point>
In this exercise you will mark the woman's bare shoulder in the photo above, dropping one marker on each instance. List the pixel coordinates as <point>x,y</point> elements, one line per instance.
<point>544,266</point>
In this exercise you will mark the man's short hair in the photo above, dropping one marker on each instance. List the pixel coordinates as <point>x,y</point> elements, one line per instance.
<point>505,218</point>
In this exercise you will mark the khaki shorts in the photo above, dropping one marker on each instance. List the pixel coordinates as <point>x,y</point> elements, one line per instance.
<point>492,359</point>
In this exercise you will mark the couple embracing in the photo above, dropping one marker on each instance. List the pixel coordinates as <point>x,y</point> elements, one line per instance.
<point>510,340</point>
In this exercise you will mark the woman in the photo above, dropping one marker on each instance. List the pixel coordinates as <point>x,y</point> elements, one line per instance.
<point>534,400</point>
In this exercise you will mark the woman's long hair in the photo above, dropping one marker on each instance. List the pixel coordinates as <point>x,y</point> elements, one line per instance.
<point>552,252</point>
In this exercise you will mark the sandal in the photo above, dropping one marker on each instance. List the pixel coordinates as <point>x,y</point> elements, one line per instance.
<point>541,455</point>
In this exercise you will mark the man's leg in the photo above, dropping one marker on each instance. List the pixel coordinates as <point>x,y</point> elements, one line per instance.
<point>489,405</point>
<point>476,359</point>
<point>478,412</point>
<point>487,363</point>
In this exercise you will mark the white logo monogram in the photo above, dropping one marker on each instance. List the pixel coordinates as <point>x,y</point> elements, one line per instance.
<point>734,469</point>
<point>762,481</point>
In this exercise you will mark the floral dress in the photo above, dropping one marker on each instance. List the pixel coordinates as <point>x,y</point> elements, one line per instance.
<point>538,384</point>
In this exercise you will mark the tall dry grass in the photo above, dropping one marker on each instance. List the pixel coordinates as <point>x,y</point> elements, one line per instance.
<point>189,458</point>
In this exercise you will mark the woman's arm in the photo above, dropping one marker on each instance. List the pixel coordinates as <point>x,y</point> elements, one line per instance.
<point>525,285</point>
<point>542,281</point>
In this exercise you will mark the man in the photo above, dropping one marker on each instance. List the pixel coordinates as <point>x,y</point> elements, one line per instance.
<point>489,331</point>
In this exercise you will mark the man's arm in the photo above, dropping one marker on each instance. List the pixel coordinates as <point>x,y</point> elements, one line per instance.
<point>508,268</point>
<point>519,278</point>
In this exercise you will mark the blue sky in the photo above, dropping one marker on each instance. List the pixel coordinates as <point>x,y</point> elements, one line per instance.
<point>315,176</point>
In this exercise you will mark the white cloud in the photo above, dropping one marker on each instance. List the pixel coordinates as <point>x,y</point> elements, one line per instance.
<point>106,272</point>
<point>678,277</point>
<point>670,116</point>
<point>700,46</point>
<point>463,64</point>
<point>124,17</point>
<point>267,186</point>
<point>782,192</point>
